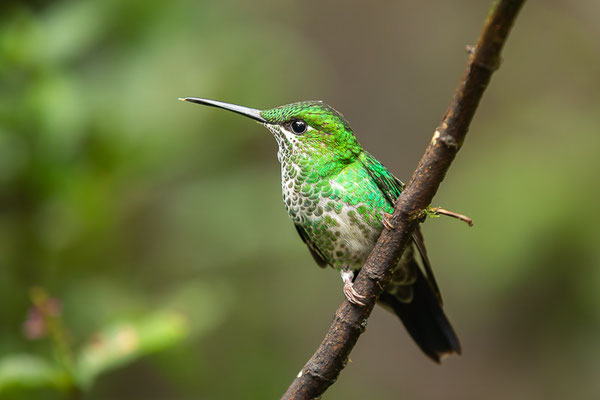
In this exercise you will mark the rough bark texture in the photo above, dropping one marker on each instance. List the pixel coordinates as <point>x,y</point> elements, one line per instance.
<point>323,368</point>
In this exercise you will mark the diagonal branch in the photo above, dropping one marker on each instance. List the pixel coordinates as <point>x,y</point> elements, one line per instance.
<point>323,368</point>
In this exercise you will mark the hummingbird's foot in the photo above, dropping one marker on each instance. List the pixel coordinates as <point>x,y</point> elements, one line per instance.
<point>386,222</point>
<point>351,294</point>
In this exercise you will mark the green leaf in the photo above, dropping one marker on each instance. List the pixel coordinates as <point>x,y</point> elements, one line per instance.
<point>29,371</point>
<point>124,342</point>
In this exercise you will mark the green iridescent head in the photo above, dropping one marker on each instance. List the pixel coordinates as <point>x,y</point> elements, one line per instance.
<point>305,129</point>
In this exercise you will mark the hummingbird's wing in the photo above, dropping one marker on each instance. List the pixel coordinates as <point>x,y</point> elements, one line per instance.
<point>391,187</point>
<point>313,250</point>
<point>387,183</point>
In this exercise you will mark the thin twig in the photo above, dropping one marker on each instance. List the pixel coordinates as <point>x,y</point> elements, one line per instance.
<point>448,213</point>
<point>323,368</point>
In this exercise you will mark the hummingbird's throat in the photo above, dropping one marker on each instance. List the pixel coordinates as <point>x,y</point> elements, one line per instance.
<point>288,142</point>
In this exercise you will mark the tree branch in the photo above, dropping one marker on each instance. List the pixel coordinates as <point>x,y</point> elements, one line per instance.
<point>323,368</point>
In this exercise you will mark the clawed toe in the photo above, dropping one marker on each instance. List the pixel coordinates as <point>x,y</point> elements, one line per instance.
<point>386,222</point>
<point>352,295</point>
<point>349,291</point>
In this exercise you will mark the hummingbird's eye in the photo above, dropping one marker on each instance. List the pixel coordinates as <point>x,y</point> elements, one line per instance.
<point>298,126</point>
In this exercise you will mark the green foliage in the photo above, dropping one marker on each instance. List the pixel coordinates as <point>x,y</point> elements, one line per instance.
<point>29,371</point>
<point>110,348</point>
<point>119,343</point>
<point>73,370</point>
<point>123,342</point>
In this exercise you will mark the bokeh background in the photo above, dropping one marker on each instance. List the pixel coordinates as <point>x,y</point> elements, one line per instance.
<point>144,249</point>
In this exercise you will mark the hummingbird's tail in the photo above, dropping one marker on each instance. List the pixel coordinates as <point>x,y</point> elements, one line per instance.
<point>424,319</point>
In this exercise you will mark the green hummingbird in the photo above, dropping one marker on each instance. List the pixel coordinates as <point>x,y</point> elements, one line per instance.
<point>339,197</point>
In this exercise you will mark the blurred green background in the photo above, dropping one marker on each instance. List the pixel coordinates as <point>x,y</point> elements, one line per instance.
<point>144,249</point>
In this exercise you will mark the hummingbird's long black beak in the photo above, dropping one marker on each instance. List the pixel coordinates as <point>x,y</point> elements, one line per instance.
<point>246,111</point>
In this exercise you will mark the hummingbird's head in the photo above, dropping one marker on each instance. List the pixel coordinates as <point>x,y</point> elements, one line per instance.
<point>307,131</point>
<point>311,129</point>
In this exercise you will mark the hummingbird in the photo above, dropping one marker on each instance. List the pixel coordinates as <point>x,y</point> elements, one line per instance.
<point>339,198</point>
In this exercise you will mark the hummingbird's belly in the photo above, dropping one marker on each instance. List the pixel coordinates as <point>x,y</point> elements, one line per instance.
<point>355,239</point>
<point>343,233</point>
<point>342,216</point>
